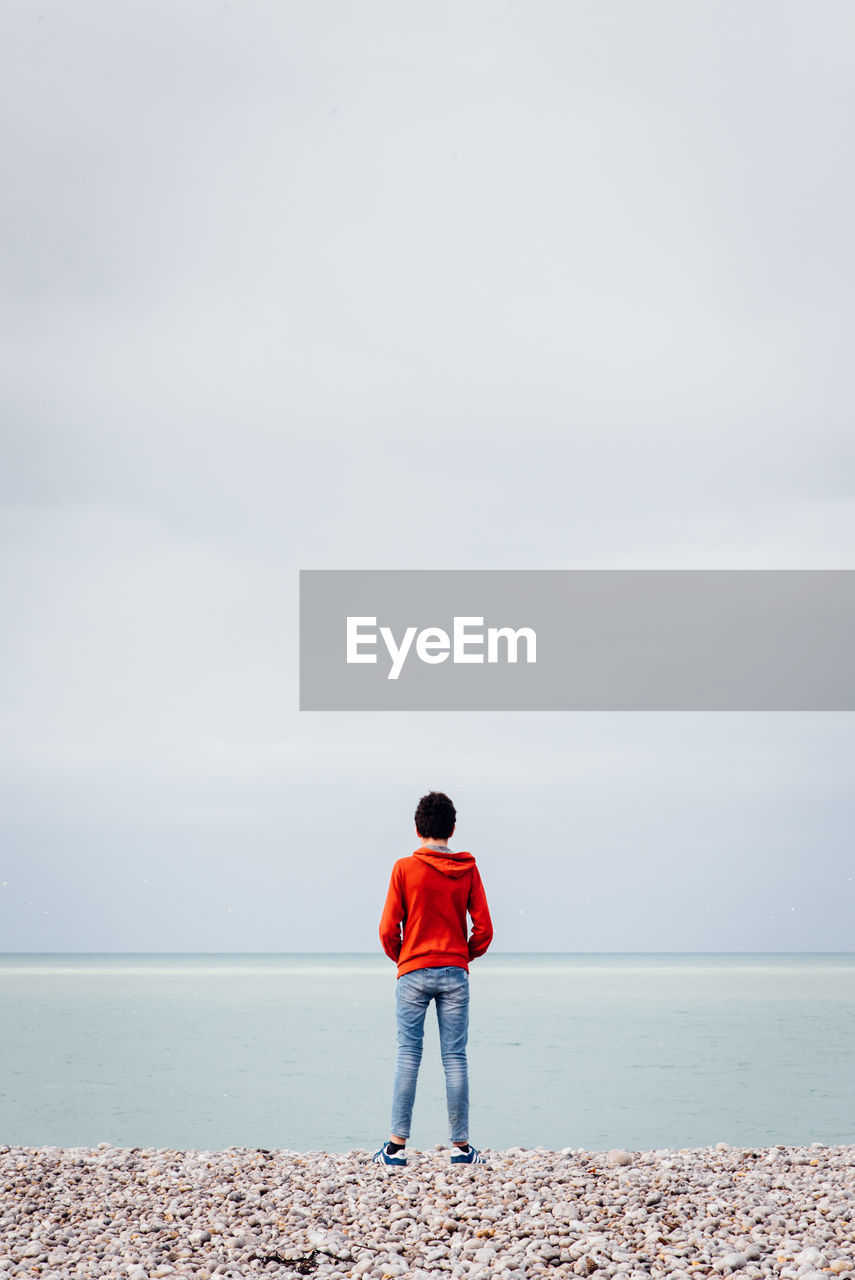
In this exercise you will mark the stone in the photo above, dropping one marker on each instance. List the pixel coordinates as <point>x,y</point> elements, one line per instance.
<point>730,1262</point>
<point>616,1158</point>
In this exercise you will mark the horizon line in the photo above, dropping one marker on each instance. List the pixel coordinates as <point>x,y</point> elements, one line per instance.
<point>380,955</point>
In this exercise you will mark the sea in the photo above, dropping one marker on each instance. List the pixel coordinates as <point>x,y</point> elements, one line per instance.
<point>297,1052</point>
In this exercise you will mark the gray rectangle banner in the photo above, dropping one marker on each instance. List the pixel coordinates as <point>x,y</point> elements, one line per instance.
<point>577,640</point>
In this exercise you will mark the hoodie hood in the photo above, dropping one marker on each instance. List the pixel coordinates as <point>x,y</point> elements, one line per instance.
<point>453,865</point>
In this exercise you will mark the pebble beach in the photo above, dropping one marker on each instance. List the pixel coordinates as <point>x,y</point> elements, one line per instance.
<point>140,1214</point>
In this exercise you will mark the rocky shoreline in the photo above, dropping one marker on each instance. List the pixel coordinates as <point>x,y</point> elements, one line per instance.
<point>146,1214</point>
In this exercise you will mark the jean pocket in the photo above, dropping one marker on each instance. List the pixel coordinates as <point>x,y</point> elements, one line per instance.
<point>409,986</point>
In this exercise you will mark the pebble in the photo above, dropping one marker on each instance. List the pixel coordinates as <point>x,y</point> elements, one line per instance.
<point>162,1214</point>
<point>731,1262</point>
<point>617,1158</point>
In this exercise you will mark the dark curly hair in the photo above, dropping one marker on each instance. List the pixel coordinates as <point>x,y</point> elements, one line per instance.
<point>435,816</point>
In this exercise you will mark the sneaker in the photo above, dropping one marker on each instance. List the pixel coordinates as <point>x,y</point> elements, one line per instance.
<point>397,1161</point>
<point>469,1156</point>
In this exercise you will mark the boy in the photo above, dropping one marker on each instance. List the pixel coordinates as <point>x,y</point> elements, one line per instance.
<point>429,895</point>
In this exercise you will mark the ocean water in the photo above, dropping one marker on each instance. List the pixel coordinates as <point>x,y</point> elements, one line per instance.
<point>298,1051</point>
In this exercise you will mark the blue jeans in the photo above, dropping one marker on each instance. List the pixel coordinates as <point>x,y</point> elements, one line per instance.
<point>449,987</point>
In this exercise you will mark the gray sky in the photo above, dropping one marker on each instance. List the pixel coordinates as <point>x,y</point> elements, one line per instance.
<point>542,285</point>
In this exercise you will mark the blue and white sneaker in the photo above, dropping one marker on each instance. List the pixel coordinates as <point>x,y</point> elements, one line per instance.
<point>396,1161</point>
<point>469,1156</point>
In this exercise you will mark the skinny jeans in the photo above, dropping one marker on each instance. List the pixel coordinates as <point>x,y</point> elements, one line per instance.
<point>414,991</point>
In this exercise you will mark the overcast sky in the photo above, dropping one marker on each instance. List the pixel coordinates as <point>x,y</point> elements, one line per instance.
<point>410,285</point>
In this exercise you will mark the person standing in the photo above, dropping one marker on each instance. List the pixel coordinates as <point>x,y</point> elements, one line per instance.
<point>424,930</point>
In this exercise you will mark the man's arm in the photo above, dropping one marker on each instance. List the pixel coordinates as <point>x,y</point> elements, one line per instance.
<point>394,912</point>
<point>482,926</point>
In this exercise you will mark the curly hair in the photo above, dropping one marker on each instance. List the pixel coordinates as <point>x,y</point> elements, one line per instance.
<point>435,816</point>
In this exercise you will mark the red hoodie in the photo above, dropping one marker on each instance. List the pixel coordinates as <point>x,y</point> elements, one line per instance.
<point>429,894</point>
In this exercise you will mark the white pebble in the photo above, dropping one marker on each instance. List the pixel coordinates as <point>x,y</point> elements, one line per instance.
<point>617,1158</point>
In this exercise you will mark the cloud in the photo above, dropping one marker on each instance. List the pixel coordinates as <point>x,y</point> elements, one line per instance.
<point>295,287</point>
